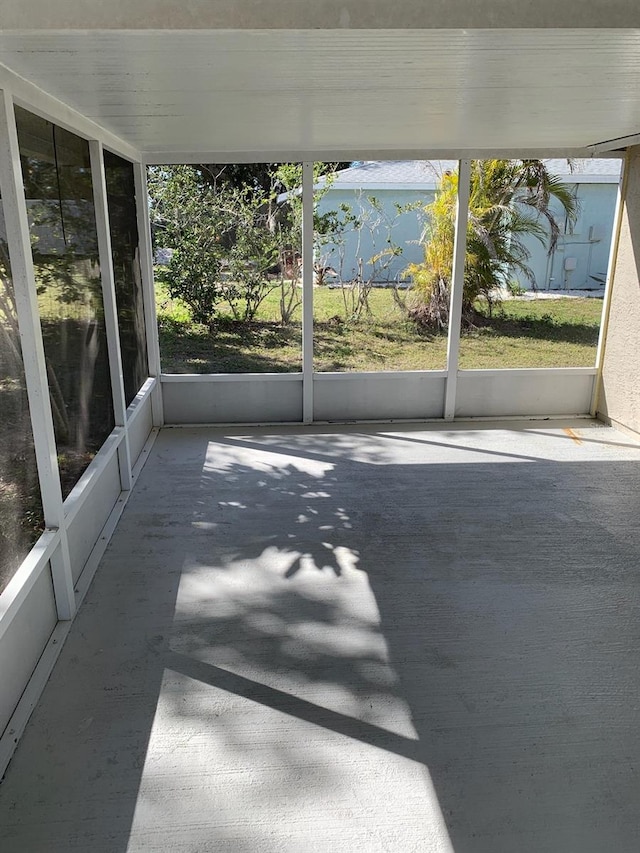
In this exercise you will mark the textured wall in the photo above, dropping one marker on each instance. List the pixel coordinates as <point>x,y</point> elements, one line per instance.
<point>619,392</point>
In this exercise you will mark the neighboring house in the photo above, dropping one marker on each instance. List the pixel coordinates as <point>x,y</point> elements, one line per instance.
<point>579,260</point>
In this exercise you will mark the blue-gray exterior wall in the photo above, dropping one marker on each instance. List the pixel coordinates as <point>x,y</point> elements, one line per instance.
<point>588,242</point>
<point>370,239</point>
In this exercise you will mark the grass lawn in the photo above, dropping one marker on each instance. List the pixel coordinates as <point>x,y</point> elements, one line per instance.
<point>535,333</point>
<point>521,333</point>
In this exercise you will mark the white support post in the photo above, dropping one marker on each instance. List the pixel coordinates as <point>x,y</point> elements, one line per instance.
<point>606,302</point>
<point>110,307</point>
<point>33,356</point>
<point>457,288</point>
<point>307,293</point>
<point>148,290</point>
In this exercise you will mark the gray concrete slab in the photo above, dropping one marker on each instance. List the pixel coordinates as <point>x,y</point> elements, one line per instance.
<point>360,639</point>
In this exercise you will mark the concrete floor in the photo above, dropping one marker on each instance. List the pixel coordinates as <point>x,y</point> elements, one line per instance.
<point>352,639</point>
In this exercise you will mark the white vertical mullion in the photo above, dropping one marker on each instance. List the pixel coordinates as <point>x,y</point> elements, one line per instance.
<point>606,302</point>
<point>110,306</point>
<point>148,289</point>
<point>457,288</point>
<point>307,293</point>
<point>33,356</point>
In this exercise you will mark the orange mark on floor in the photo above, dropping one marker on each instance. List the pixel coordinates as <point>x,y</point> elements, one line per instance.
<point>572,435</point>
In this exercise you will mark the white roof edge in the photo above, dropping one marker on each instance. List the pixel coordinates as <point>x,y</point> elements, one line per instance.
<point>581,178</point>
<point>388,185</point>
<point>431,185</point>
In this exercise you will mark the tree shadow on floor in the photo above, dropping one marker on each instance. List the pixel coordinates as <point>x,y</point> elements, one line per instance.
<point>280,610</point>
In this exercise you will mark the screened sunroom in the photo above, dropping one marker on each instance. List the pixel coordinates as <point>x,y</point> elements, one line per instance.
<point>312,607</point>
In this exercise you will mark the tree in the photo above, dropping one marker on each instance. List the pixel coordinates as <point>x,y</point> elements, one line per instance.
<point>509,201</point>
<point>186,217</point>
<point>264,176</point>
<point>368,222</point>
<point>235,232</point>
<point>253,256</point>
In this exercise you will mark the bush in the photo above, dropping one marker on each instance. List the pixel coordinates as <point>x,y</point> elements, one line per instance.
<point>515,288</point>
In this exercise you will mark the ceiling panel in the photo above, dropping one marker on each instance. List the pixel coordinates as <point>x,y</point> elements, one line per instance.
<point>367,90</point>
<point>314,14</point>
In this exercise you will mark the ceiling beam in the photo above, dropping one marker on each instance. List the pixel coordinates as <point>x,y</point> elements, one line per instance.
<point>38,15</point>
<point>152,158</point>
<point>614,147</point>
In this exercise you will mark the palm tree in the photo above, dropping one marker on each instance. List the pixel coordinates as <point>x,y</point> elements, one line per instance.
<point>509,201</point>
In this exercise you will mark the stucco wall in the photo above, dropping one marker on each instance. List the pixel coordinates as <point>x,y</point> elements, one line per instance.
<point>619,389</point>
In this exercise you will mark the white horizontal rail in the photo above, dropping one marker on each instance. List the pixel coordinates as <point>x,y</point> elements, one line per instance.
<point>381,374</point>
<point>528,371</point>
<point>169,378</point>
<point>137,404</point>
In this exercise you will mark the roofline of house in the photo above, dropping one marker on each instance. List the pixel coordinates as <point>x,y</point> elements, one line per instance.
<point>576,178</point>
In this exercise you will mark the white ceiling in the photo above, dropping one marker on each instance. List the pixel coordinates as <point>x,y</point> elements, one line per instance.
<point>315,14</point>
<point>269,94</point>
